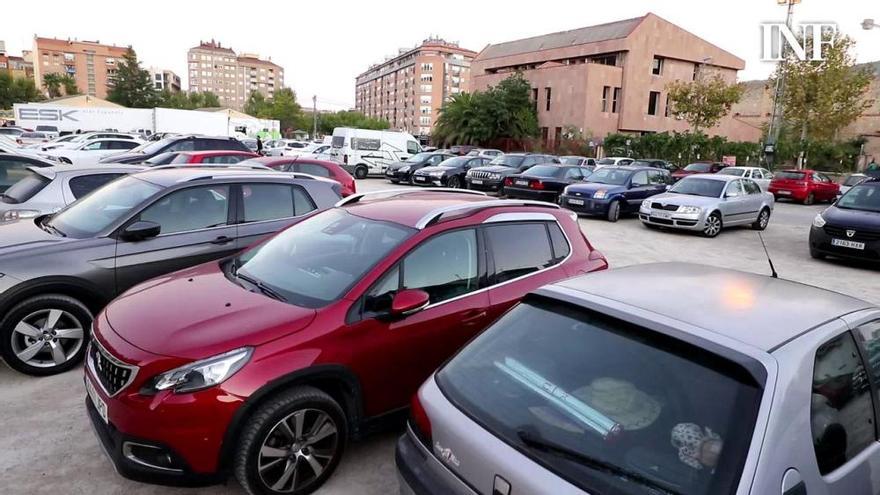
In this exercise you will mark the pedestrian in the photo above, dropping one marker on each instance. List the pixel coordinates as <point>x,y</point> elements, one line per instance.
<point>873,166</point>
<point>259,146</point>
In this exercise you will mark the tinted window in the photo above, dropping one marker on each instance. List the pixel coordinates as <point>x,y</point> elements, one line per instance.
<point>841,408</point>
<point>861,197</point>
<point>699,167</point>
<point>267,202</point>
<point>508,160</point>
<point>519,249</point>
<point>122,145</point>
<point>751,187</point>
<point>791,176</point>
<point>25,188</point>
<point>610,175</point>
<point>445,266</point>
<point>99,210</point>
<point>312,169</point>
<point>545,171</point>
<point>560,244</point>
<point>190,209</point>
<point>182,145</point>
<point>677,417</point>
<point>84,184</point>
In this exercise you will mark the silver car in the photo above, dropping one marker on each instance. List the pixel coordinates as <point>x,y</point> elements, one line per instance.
<point>44,190</point>
<point>707,203</point>
<point>744,384</point>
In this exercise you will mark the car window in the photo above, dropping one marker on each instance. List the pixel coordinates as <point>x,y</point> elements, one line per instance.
<point>12,171</point>
<point>190,209</point>
<point>24,189</point>
<point>734,189</point>
<point>640,178</point>
<point>97,145</point>
<point>412,147</point>
<point>869,334</point>
<point>573,173</point>
<point>656,177</point>
<point>312,169</point>
<point>757,174</point>
<point>436,159</point>
<point>822,178</point>
<point>84,184</point>
<point>751,187</point>
<point>557,239</point>
<point>519,249</point>
<point>445,266</point>
<point>767,174</point>
<point>182,145</point>
<point>841,411</point>
<point>104,206</point>
<point>122,145</point>
<point>267,202</point>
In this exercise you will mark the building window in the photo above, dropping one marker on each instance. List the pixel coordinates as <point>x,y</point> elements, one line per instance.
<point>696,72</point>
<point>657,68</point>
<point>428,67</point>
<point>605,91</point>
<point>547,94</point>
<point>615,100</point>
<point>666,111</point>
<point>544,132</point>
<point>427,78</point>
<point>653,102</point>
<point>535,98</point>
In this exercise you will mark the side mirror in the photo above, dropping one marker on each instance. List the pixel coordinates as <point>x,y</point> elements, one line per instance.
<point>409,301</point>
<point>140,231</point>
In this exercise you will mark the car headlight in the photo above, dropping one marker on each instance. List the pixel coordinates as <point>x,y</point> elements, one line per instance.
<point>819,221</point>
<point>600,194</point>
<point>12,215</point>
<point>200,374</point>
<point>646,204</point>
<point>436,174</point>
<point>690,210</point>
<point>404,168</point>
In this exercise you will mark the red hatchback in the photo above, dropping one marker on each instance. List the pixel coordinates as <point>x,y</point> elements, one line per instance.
<point>311,166</point>
<point>264,364</point>
<point>218,157</point>
<point>697,168</point>
<point>806,186</point>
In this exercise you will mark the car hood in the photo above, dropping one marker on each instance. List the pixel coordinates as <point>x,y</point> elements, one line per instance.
<point>853,219</point>
<point>435,168</point>
<point>592,187</point>
<point>198,313</point>
<point>497,168</point>
<point>24,237</point>
<point>397,165</point>
<point>671,198</point>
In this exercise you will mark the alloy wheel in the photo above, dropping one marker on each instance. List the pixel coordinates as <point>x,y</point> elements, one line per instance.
<point>47,338</point>
<point>297,450</point>
<point>713,226</point>
<point>453,183</point>
<point>764,219</point>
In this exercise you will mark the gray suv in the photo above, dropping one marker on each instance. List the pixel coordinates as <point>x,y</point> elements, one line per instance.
<point>746,384</point>
<point>57,272</point>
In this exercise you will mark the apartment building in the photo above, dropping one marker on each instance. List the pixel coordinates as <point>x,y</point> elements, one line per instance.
<point>164,79</point>
<point>408,89</point>
<point>232,77</point>
<point>91,64</point>
<point>610,77</point>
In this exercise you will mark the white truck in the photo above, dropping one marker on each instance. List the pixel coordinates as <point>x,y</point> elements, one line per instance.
<point>363,152</point>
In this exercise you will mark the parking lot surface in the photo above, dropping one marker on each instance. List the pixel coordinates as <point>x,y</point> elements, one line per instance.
<point>48,445</point>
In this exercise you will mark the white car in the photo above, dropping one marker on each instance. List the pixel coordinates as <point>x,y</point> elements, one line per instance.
<point>850,181</point>
<point>614,161</point>
<point>760,175</point>
<point>91,151</point>
<point>293,148</point>
<point>30,138</point>
<point>75,140</point>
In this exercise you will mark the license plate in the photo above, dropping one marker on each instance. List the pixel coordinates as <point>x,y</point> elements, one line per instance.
<point>476,181</point>
<point>420,179</point>
<point>578,202</point>
<point>848,244</point>
<point>522,182</point>
<point>99,403</point>
<point>784,193</point>
<point>666,215</point>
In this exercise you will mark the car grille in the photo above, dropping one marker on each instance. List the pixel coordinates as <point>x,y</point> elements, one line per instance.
<point>478,174</point>
<point>859,236</point>
<point>113,374</point>
<point>580,194</point>
<point>659,206</point>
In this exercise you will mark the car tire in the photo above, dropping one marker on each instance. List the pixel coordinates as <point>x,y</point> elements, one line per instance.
<point>613,214</point>
<point>810,199</point>
<point>453,182</point>
<point>259,465</point>
<point>713,225</point>
<point>394,181</point>
<point>360,172</point>
<point>45,335</point>
<point>816,255</point>
<point>763,220</point>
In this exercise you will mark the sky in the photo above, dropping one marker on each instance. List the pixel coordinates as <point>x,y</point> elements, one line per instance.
<point>323,46</point>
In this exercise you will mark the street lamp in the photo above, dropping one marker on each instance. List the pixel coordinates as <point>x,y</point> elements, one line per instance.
<point>869,24</point>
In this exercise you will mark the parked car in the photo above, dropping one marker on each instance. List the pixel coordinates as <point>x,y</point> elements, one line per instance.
<point>12,132</point>
<point>850,228</point>
<point>31,138</point>
<point>307,149</point>
<point>14,168</point>
<point>331,323</point>
<point>544,182</point>
<point>485,153</point>
<point>580,161</point>
<point>50,131</point>
<point>176,143</point>
<point>746,384</point>
<point>461,149</point>
<point>850,181</point>
<point>654,163</point>
<point>614,161</point>
<point>697,168</point>
<point>138,227</point>
<point>74,140</point>
<point>54,142</point>
<point>806,186</point>
<point>318,168</point>
<point>613,191</point>
<point>45,190</point>
<point>209,157</point>
<point>403,171</point>
<point>491,177</point>
<point>761,176</point>
<point>450,172</point>
<point>90,152</point>
<point>707,203</point>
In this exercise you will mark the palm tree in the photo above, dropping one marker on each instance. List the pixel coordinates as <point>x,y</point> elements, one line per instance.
<point>52,82</point>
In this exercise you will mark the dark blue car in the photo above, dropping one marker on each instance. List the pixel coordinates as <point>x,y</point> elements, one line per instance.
<point>850,228</point>
<point>612,191</point>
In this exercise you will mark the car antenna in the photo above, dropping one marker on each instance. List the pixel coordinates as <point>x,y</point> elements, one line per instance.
<point>767,254</point>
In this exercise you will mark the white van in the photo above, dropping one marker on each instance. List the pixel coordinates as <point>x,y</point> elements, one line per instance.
<point>363,151</point>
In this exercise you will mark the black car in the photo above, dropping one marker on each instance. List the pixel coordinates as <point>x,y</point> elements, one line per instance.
<point>544,182</point>
<point>491,177</point>
<point>850,228</point>
<point>654,163</point>
<point>15,167</point>
<point>450,173</point>
<point>403,171</point>
<point>176,143</point>
<point>58,271</point>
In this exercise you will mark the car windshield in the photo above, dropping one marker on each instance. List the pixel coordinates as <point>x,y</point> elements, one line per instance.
<point>161,159</point>
<point>696,186</point>
<point>544,171</point>
<point>611,176</point>
<point>457,161</point>
<point>853,180</point>
<point>314,262</point>
<point>862,197</point>
<point>418,157</point>
<point>739,172</point>
<point>699,167</point>
<point>508,160</point>
<point>790,175</point>
<point>624,410</point>
<point>103,206</point>
<point>152,147</point>
<point>571,160</point>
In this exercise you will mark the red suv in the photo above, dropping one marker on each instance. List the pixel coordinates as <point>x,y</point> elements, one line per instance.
<point>311,166</point>
<point>806,186</point>
<point>264,364</point>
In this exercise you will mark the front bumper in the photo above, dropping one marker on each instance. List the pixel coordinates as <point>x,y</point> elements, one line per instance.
<point>492,185</point>
<point>420,473</point>
<point>675,220</point>
<point>397,175</point>
<point>427,180</point>
<point>820,242</point>
<point>588,206</point>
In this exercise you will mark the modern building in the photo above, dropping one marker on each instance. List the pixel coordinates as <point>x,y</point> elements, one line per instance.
<point>164,79</point>
<point>610,77</point>
<point>218,69</point>
<point>408,89</point>
<point>91,64</point>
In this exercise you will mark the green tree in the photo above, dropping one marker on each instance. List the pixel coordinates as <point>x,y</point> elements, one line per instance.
<point>52,83</point>
<point>256,105</point>
<point>69,84</point>
<point>346,118</point>
<point>132,86</point>
<point>210,100</point>
<point>703,102</point>
<point>17,90</point>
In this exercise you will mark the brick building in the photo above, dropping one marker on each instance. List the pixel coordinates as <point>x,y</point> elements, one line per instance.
<point>408,89</point>
<point>232,77</point>
<point>90,63</point>
<point>164,79</point>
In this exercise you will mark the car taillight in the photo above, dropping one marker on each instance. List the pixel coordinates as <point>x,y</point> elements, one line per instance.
<point>508,181</point>
<point>536,184</point>
<point>419,421</point>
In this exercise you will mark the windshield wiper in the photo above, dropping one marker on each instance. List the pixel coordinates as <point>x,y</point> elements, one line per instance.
<point>532,439</point>
<point>260,285</point>
<point>51,229</point>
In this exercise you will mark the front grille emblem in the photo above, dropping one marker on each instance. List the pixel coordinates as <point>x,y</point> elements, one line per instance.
<point>850,233</point>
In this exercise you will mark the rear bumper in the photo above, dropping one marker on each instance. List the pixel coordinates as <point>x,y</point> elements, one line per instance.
<point>820,242</point>
<point>420,473</point>
<point>521,193</point>
<point>788,193</point>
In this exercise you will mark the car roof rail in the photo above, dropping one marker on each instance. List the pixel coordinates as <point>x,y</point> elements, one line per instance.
<point>390,193</point>
<point>436,215</point>
<point>231,166</point>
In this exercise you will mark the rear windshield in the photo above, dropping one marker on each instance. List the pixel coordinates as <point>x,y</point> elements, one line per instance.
<point>337,141</point>
<point>611,407</point>
<point>161,159</point>
<point>791,176</point>
<point>25,189</point>
<point>607,161</point>
<point>571,160</point>
<point>739,172</point>
<point>699,167</point>
<point>544,171</point>
<point>50,128</point>
<point>508,160</point>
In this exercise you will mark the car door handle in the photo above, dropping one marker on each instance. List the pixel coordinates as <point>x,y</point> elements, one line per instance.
<point>222,240</point>
<point>472,316</point>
